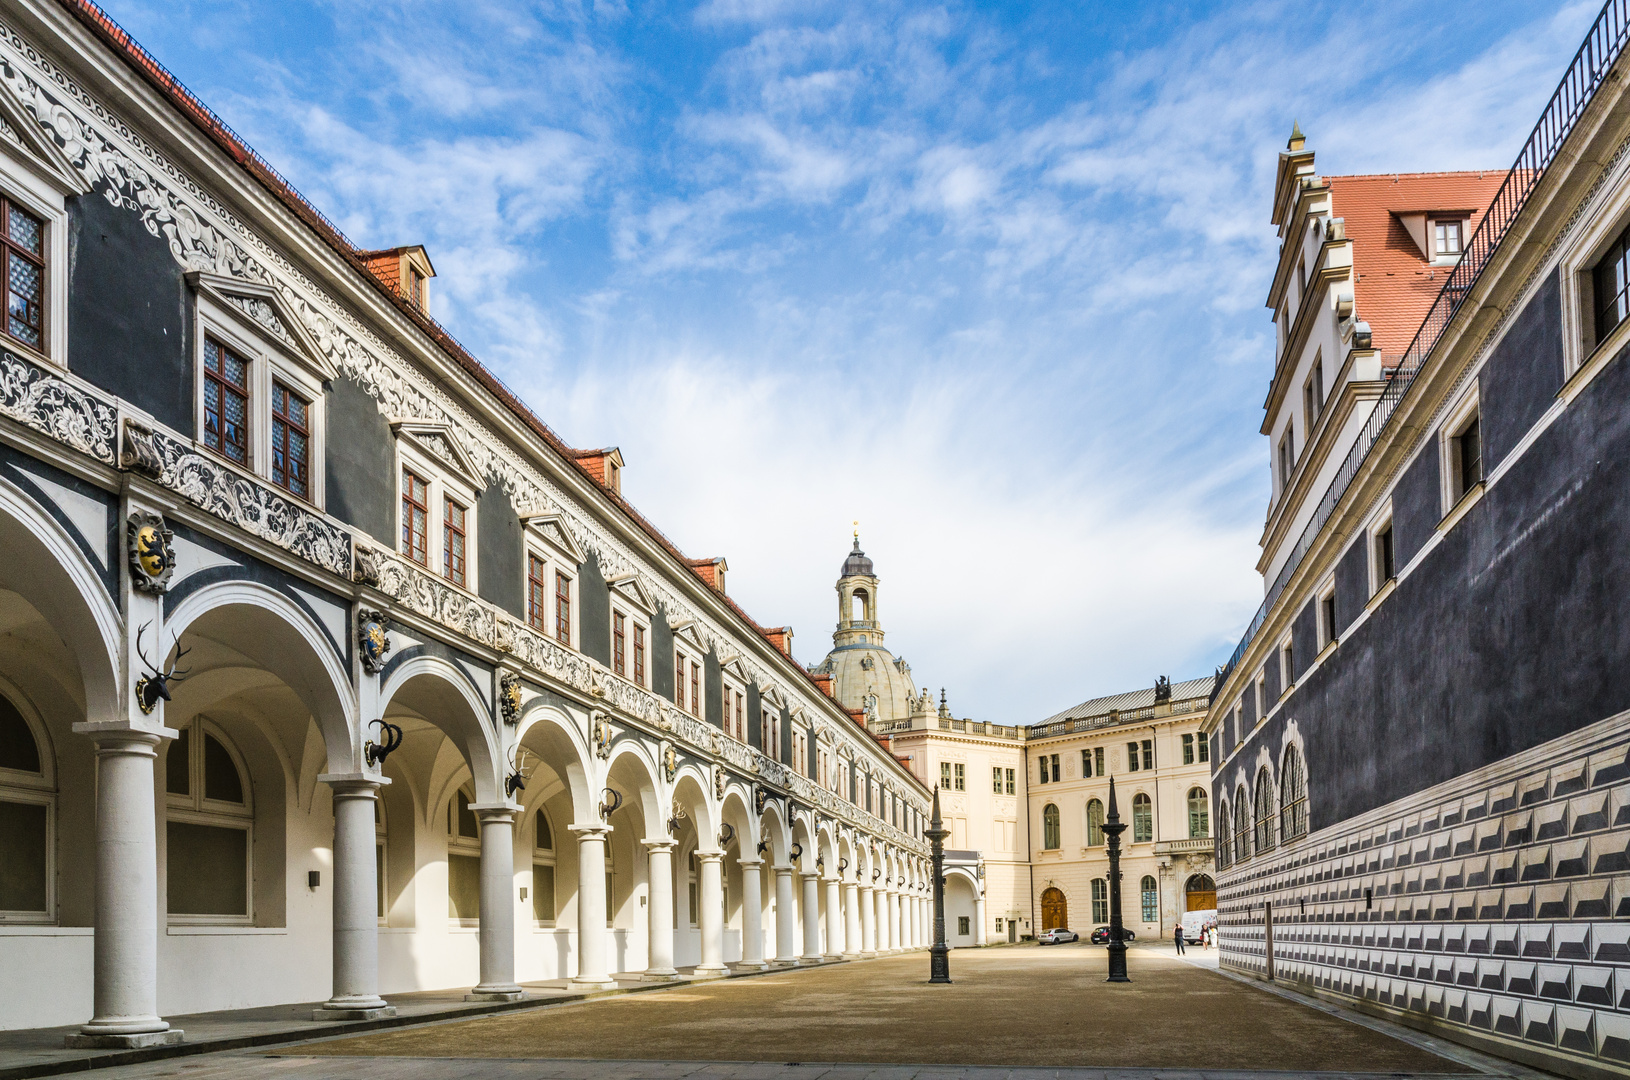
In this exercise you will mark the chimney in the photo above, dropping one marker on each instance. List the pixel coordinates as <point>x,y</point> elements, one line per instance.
<point>604,465</point>
<point>781,638</point>
<point>405,271</point>
<point>710,571</point>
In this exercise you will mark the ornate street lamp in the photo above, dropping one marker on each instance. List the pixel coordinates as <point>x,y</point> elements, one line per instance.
<point>939,956</point>
<point>1113,827</point>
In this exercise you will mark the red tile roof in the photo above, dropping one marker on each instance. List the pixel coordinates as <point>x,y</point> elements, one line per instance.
<point>1394,283</point>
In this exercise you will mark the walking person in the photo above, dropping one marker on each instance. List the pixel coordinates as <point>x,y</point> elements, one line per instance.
<point>1178,937</point>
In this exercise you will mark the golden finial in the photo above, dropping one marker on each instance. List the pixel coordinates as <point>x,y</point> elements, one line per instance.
<point>857,530</point>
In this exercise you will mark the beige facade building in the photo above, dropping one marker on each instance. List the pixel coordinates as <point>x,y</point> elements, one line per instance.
<point>1149,741</point>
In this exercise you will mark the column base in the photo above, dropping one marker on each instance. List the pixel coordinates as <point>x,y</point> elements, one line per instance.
<point>594,984</point>
<point>133,1041</point>
<point>708,970</point>
<point>832,958</point>
<point>341,1013</point>
<point>664,975</point>
<point>806,961</point>
<point>497,993</point>
<point>752,965</point>
<point>868,954</point>
<point>850,955</point>
<point>784,962</point>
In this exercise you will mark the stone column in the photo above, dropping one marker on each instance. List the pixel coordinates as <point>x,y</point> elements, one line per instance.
<point>710,890</point>
<point>812,919</point>
<point>868,922</point>
<point>752,917</point>
<point>125,977</point>
<point>834,919</point>
<point>880,898</point>
<point>851,921</point>
<point>894,921</point>
<point>786,940</point>
<point>592,959</point>
<point>497,934</point>
<point>660,956</point>
<point>356,901</point>
<point>980,937</point>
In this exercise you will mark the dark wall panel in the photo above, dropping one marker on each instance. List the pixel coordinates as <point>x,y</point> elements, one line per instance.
<point>500,552</point>
<point>786,737</point>
<point>712,689</point>
<point>1522,375</point>
<point>1352,583</point>
<point>361,467</point>
<point>755,718</point>
<point>130,311</point>
<point>1304,639</point>
<point>662,655</point>
<point>1513,632</point>
<point>1271,681</point>
<point>594,617</point>
<point>1417,505</point>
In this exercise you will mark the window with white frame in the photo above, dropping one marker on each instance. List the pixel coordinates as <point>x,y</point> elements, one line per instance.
<point>1383,556</point>
<point>1287,456</point>
<point>543,870</point>
<point>27,817</point>
<point>1446,239</point>
<point>463,861</point>
<point>687,682</point>
<point>36,179</point>
<point>435,507</point>
<point>209,828</point>
<point>1462,452</point>
<point>1313,393</point>
<point>1327,615</point>
<point>733,711</point>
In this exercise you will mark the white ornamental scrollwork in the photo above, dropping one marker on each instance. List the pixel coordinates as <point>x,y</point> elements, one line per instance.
<point>37,398</point>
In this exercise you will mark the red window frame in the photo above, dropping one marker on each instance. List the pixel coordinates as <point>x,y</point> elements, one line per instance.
<point>23,313</point>
<point>639,654</point>
<point>536,590</point>
<point>216,431</point>
<point>695,689</point>
<point>291,442</point>
<point>454,541</point>
<point>619,643</point>
<point>415,517</point>
<point>679,678</point>
<point>563,609</point>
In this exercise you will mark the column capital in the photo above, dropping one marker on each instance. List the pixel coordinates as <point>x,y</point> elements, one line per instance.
<point>709,856</point>
<point>783,868</point>
<point>659,845</point>
<point>501,813</point>
<point>354,785</point>
<point>117,735</point>
<point>592,831</point>
<point>755,863</point>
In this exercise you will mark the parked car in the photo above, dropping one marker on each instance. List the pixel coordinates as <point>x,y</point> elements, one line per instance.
<point>1100,936</point>
<point>1057,936</point>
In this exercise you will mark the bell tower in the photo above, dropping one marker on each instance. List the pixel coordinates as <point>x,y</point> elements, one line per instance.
<point>857,601</point>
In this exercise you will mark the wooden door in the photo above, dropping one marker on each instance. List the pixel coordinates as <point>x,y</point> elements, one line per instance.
<point>1201,893</point>
<point>1054,911</point>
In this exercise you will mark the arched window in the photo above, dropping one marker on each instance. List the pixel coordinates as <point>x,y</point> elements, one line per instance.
<point>1242,826</point>
<point>27,808</point>
<point>1100,901</point>
<point>1143,819</point>
<point>1049,827</point>
<point>1265,810</point>
<point>1200,893</point>
<point>209,828</point>
<point>1095,823</point>
<point>1199,814</point>
<point>463,861</point>
<point>1225,837</point>
<point>1151,899</point>
<point>1293,797</point>
<point>543,870</point>
<point>857,606</point>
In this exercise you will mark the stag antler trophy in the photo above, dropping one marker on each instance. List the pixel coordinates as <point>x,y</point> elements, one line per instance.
<point>155,685</point>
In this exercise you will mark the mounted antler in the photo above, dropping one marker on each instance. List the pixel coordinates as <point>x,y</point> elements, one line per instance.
<point>519,774</point>
<point>376,753</point>
<point>154,686</point>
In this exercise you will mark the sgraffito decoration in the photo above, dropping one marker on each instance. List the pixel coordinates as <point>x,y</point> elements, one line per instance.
<point>38,398</point>
<point>373,639</point>
<point>152,557</point>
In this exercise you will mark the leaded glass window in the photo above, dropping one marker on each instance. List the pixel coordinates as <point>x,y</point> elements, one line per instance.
<point>415,518</point>
<point>291,441</point>
<point>226,402</point>
<point>24,247</point>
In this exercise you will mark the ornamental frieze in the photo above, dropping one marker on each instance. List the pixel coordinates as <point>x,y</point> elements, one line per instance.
<point>41,399</point>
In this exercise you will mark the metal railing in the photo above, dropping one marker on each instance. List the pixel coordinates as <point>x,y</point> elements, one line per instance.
<point>1601,49</point>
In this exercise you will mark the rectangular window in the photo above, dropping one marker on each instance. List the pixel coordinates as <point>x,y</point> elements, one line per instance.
<point>1188,749</point>
<point>543,893</point>
<point>1205,749</point>
<point>1042,761</point>
<point>291,441</point>
<point>452,542</point>
<point>619,643</point>
<point>1468,458</point>
<point>1148,754</point>
<point>536,591</point>
<point>226,402</point>
<point>1447,238</point>
<point>639,655</point>
<point>679,679</point>
<point>23,243</point>
<point>962,925</point>
<point>1011,778</point>
<point>1055,768</point>
<point>961,777</point>
<point>1287,456</point>
<point>945,776</point>
<point>1132,761</point>
<point>1327,610</point>
<point>1287,666</point>
<point>1386,568</point>
<point>1612,287</point>
<point>695,688</point>
<point>1098,760</point>
<point>563,608</point>
<point>996,781</point>
<point>415,518</point>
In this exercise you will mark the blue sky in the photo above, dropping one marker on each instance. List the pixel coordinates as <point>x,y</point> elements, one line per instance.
<point>989,279</point>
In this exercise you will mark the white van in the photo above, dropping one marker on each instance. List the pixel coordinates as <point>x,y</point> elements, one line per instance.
<point>1195,923</point>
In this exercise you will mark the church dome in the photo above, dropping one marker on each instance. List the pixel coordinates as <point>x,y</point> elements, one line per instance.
<point>857,564</point>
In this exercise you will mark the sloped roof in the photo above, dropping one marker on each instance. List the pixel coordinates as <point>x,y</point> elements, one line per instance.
<point>1132,699</point>
<point>1395,284</point>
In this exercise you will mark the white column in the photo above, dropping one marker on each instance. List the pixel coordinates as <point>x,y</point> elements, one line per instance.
<point>811,913</point>
<point>868,922</point>
<point>356,901</point>
<point>880,898</point>
<point>710,887</point>
<point>834,919</point>
<point>592,960</point>
<point>125,973</point>
<point>660,960</point>
<point>894,921</point>
<point>497,933</point>
<point>980,937</point>
<point>752,917</point>
<point>786,940</point>
<point>851,920</point>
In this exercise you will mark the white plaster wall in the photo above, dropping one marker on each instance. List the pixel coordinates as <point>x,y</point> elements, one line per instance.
<point>54,963</point>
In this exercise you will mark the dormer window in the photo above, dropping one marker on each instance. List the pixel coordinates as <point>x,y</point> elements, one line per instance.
<point>415,291</point>
<point>1446,239</point>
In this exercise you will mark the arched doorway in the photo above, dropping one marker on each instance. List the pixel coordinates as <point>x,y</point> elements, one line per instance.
<point>1054,911</point>
<point>1201,893</point>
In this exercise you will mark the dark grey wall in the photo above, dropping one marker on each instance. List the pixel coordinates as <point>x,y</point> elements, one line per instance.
<point>130,309</point>
<point>1304,639</point>
<point>361,468</point>
<point>1512,632</point>
<point>814,756</point>
<point>755,718</point>
<point>594,612</point>
<point>1352,583</point>
<point>712,689</point>
<point>1522,375</point>
<point>1271,680</point>
<point>1417,505</point>
<point>662,655</point>
<point>786,736</point>
<point>500,552</point>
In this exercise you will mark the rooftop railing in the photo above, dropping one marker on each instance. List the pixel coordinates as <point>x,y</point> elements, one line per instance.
<point>1601,49</point>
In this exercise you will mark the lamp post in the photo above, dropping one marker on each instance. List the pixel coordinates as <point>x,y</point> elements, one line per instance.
<point>1113,827</point>
<point>939,956</point>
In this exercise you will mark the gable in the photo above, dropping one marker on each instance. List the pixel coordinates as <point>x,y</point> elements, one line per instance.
<point>551,528</point>
<point>437,442</point>
<point>629,588</point>
<point>263,309</point>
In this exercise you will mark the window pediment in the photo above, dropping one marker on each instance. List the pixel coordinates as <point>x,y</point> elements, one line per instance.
<point>551,528</point>
<point>263,311</point>
<point>49,161</point>
<point>436,442</point>
<point>629,588</point>
<point>734,669</point>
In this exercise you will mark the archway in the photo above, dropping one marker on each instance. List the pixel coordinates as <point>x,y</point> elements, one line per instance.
<point>1200,893</point>
<point>1055,911</point>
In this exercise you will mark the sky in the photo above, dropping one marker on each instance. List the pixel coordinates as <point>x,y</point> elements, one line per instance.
<point>988,279</point>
